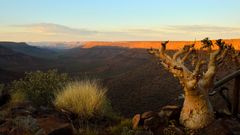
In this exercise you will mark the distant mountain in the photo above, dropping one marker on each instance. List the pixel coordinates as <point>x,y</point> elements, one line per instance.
<point>96,61</point>
<point>131,75</point>
<point>154,44</point>
<point>17,61</point>
<point>57,45</point>
<point>28,50</point>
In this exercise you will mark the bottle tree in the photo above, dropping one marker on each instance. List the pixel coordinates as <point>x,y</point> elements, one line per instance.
<point>197,111</point>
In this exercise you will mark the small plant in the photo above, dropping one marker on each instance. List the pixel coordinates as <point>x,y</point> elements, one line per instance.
<point>18,97</point>
<point>84,98</point>
<point>89,131</point>
<point>38,87</point>
<point>123,128</point>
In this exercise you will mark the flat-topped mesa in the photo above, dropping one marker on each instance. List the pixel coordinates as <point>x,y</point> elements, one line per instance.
<point>197,111</point>
<point>172,45</point>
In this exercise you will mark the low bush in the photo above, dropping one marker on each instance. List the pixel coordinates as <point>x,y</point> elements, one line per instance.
<point>38,87</point>
<point>123,128</point>
<point>84,98</point>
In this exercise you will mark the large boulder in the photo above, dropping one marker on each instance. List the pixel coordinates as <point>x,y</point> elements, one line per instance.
<point>55,126</point>
<point>170,112</point>
<point>151,123</point>
<point>149,114</point>
<point>147,120</point>
<point>135,121</point>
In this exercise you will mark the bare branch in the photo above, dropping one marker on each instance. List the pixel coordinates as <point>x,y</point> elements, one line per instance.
<point>163,54</point>
<point>190,50</point>
<point>197,69</point>
<point>208,77</point>
<point>207,44</point>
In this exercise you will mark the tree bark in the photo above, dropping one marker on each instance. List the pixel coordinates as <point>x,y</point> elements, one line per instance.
<point>197,111</point>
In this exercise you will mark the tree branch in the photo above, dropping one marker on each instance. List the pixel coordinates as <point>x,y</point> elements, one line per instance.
<point>189,51</point>
<point>208,77</point>
<point>198,67</point>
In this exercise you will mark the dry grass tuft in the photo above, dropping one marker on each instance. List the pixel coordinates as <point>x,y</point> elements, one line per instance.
<point>85,98</point>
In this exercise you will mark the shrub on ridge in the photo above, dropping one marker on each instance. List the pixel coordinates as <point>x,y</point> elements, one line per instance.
<point>39,87</point>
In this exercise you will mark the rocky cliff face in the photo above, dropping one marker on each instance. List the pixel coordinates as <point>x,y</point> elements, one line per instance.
<point>154,44</point>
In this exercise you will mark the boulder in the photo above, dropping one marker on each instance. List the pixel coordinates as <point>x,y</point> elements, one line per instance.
<point>135,121</point>
<point>64,129</point>
<point>151,123</point>
<point>149,114</point>
<point>170,112</point>
<point>55,126</point>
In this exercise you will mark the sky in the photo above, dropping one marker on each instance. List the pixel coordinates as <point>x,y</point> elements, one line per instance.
<point>118,20</point>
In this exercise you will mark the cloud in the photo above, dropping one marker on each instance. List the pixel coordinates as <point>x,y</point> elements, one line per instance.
<point>54,29</point>
<point>57,32</point>
<point>203,29</point>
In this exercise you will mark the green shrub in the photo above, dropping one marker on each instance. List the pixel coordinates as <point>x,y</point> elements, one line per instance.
<point>85,98</point>
<point>123,128</point>
<point>39,87</point>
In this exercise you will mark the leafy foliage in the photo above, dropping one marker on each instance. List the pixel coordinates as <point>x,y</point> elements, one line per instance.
<point>39,87</point>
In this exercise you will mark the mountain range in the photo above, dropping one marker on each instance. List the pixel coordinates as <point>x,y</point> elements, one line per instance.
<point>131,75</point>
<point>127,44</point>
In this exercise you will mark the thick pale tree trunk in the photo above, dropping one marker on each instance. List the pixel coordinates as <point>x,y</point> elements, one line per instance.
<point>197,111</point>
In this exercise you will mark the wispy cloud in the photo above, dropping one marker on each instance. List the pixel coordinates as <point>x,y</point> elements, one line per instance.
<point>203,28</point>
<point>57,32</point>
<point>50,28</point>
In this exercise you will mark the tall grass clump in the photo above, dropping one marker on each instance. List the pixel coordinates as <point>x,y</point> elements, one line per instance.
<point>38,87</point>
<point>86,99</point>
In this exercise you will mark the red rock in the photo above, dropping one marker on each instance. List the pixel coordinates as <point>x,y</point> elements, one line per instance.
<point>149,114</point>
<point>55,126</point>
<point>136,120</point>
<point>170,112</point>
<point>152,123</point>
<point>172,45</point>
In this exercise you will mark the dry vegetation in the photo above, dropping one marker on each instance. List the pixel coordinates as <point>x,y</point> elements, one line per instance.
<point>85,98</point>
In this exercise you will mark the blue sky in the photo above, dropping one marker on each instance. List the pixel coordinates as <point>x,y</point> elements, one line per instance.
<point>77,20</point>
